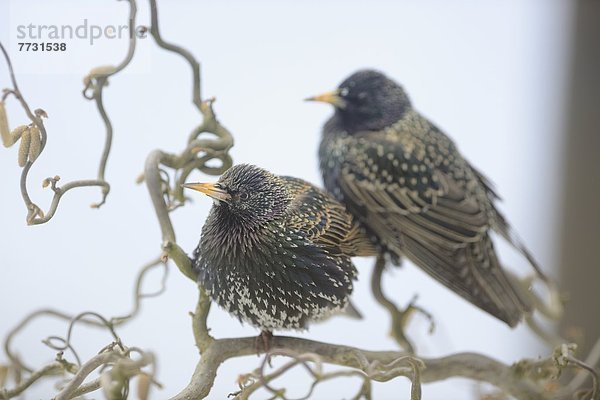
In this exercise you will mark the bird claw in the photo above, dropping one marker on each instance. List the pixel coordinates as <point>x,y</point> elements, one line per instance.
<point>262,343</point>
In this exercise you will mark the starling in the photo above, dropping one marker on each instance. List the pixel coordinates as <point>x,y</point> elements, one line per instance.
<point>275,250</point>
<point>407,183</point>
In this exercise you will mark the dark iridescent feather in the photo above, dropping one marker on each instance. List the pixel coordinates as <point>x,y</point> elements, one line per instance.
<point>406,181</point>
<point>277,253</point>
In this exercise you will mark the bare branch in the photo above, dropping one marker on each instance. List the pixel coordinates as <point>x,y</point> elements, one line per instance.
<point>115,321</point>
<point>201,331</point>
<point>465,365</point>
<point>522,380</point>
<point>400,318</point>
<point>49,370</point>
<point>195,65</point>
<point>86,369</point>
<point>97,81</point>
<point>313,365</point>
<point>592,359</point>
<point>180,258</point>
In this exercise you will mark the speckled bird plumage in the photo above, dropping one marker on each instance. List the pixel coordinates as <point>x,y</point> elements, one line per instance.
<point>408,184</point>
<point>277,253</point>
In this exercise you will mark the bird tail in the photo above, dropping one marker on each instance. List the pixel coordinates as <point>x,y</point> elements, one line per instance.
<point>474,272</point>
<point>504,229</point>
<point>508,301</point>
<point>351,311</point>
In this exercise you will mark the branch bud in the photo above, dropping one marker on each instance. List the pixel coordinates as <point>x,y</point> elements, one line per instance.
<point>40,113</point>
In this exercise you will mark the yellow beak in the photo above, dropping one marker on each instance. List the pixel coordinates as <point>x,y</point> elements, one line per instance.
<point>209,189</point>
<point>332,97</point>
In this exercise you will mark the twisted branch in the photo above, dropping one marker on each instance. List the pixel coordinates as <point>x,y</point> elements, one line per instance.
<point>114,381</point>
<point>523,380</point>
<point>49,370</point>
<point>114,322</point>
<point>466,365</point>
<point>400,318</point>
<point>96,80</point>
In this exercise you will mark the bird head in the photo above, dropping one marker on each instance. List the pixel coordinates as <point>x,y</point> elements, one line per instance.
<point>367,100</point>
<point>247,193</point>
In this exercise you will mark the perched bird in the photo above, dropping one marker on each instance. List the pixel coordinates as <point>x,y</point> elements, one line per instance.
<point>275,250</point>
<point>408,184</point>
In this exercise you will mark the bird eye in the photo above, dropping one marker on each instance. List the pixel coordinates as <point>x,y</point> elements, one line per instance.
<point>244,196</point>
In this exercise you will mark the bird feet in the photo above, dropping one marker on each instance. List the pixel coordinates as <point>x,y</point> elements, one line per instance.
<point>262,342</point>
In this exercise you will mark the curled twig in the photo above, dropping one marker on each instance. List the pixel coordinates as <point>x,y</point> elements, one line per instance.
<point>563,358</point>
<point>592,360</point>
<point>30,150</point>
<point>311,362</point>
<point>49,370</point>
<point>114,322</point>
<point>66,342</point>
<point>114,379</point>
<point>400,318</point>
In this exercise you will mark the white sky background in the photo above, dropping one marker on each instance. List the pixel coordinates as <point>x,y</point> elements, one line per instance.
<point>490,73</point>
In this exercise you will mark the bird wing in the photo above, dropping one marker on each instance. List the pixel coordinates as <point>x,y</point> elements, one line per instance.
<point>421,200</point>
<point>326,222</point>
